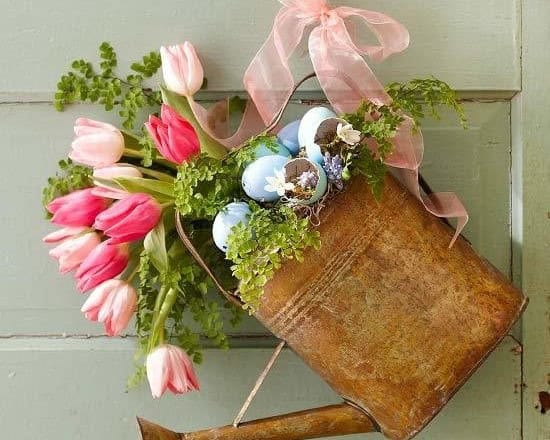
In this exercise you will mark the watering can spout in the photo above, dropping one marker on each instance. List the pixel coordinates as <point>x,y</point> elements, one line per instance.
<point>150,431</point>
<point>314,423</point>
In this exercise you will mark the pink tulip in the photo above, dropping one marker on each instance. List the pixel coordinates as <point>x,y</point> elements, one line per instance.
<point>73,251</point>
<point>63,234</point>
<point>175,137</point>
<point>181,68</point>
<point>117,170</point>
<point>79,208</point>
<point>113,303</point>
<point>103,189</point>
<point>106,261</point>
<point>97,144</point>
<point>129,219</point>
<point>110,193</point>
<point>169,367</point>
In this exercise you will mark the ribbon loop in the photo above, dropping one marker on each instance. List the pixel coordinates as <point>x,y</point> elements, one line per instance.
<point>344,76</point>
<point>268,79</point>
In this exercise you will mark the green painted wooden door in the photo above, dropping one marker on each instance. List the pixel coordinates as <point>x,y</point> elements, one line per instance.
<point>60,377</point>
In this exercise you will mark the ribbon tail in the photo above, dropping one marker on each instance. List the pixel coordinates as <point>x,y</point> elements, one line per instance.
<point>407,156</point>
<point>443,204</point>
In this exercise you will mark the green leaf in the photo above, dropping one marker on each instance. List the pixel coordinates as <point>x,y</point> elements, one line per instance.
<point>179,103</point>
<point>162,191</point>
<point>149,65</point>
<point>155,246</point>
<point>84,83</point>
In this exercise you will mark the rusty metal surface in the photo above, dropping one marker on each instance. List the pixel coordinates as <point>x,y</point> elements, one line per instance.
<point>314,423</point>
<point>390,317</point>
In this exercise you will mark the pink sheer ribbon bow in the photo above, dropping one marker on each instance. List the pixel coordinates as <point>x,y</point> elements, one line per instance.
<point>344,76</point>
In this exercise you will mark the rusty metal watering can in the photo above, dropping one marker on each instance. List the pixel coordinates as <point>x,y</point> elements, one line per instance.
<point>390,317</point>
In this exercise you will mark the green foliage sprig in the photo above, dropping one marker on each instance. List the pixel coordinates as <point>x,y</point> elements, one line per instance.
<point>205,185</point>
<point>422,97</point>
<point>416,99</point>
<point>69,178</point>
<point>258,248</point>
<point>84,83</point>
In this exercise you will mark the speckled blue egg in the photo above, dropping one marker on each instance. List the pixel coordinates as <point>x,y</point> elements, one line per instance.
<point>230,216</point>
<point>262,150</point>
<point>254,177</point>
<point>288,136</point>
<point>308,129</point>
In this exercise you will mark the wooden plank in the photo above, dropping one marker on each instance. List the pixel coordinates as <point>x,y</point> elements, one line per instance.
<point>89,400</point>
<point>37,300</point>
<point>471,44</point>
<point>532,215</point>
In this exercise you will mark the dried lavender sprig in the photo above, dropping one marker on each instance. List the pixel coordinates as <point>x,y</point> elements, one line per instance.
<point>308,179</point>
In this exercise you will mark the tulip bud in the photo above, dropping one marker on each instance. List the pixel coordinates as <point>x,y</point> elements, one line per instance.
<point>175,137</point>
<point>106,261</point>
<point>181,68</point>
<point>73,251</point>
<point>129,219</point>
<point>63,234</point>
<point>113,303</point>
<point>169,367</point>
<point>97,144</point>
<point>78,208</point>
<point>117,170</point>
<point>109,193</point>
<point>109,173</point>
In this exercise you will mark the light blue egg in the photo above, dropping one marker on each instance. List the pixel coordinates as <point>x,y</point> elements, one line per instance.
<point>322,183</point>
<point>314,153</point>
<point>307,131</point>
<point>262,150</point>
<point>288,136</point>
<point>230,216</point>
<point>254,177</point>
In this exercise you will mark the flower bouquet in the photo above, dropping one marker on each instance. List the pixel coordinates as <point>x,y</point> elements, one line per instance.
<point>158,213</point>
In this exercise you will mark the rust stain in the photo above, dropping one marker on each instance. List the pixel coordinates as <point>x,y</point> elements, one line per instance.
<point>544,402</point>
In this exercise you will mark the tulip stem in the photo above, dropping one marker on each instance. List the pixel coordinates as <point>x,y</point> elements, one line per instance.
<point>158,304</point>
<point>163,306</point>
<point>166,205</point>
<point>133,274</point>
<point>166,308</point>
<point>128,152</point>
<point>159,175</point>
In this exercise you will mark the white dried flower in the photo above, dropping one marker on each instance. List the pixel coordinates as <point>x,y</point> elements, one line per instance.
<point>278,183</point>
<point>348,134</point>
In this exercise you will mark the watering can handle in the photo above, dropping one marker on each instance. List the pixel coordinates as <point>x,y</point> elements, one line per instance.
<point>331,420</point>
<point>231,297</point>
